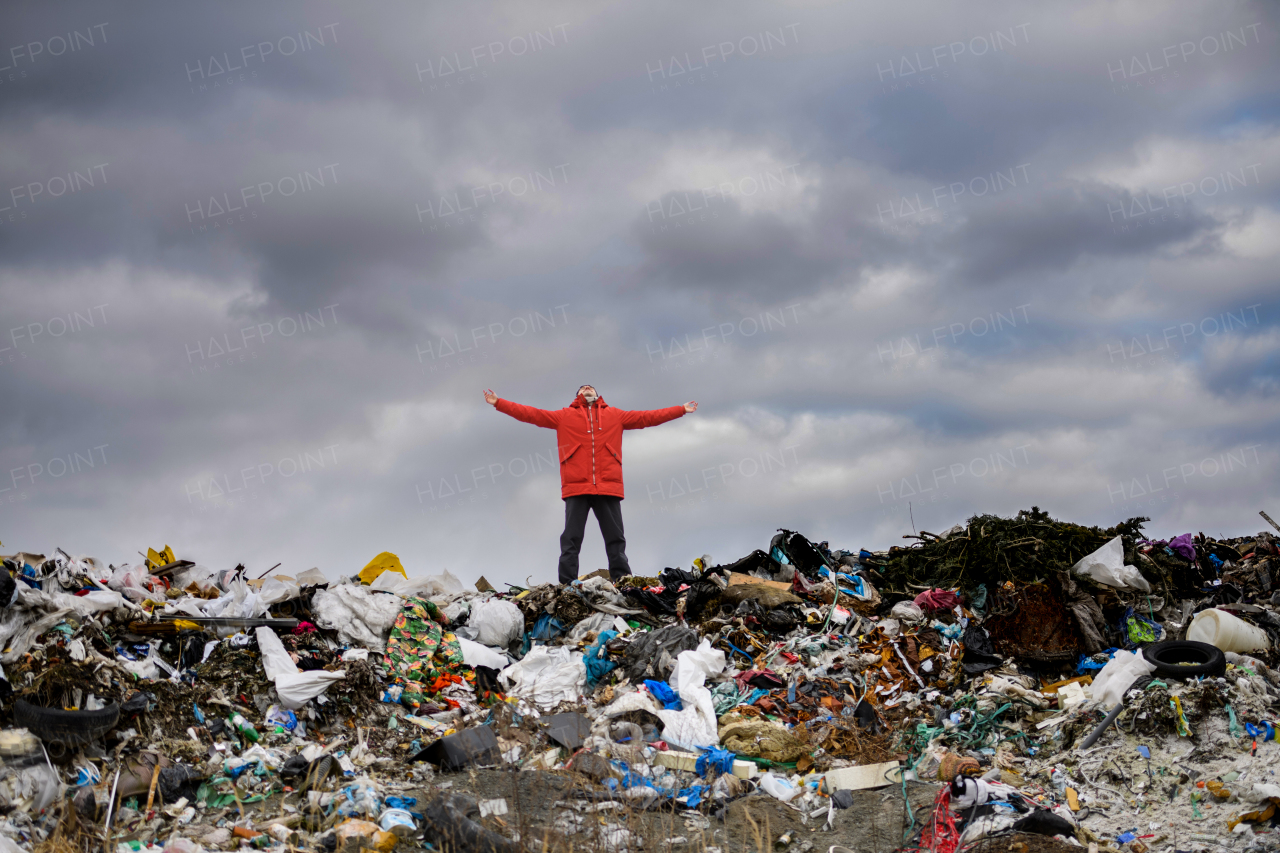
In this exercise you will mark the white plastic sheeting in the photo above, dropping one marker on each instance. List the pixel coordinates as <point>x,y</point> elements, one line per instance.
<point>34,612</point>
<point>312,577</point>
<point>594,624</point>
<point>240,601</point>
<point>496,622</point>
<point>295,688</point>
<point>361,617</point>
<point>275,590</point>
<point>636,700</point>
<point>477,654</point>
<point>128,580</point>
<point>1106,566</point>
<point>1117,676</point>
<point>422,587</point>
<point>695,726</point>
<point>548,675</point>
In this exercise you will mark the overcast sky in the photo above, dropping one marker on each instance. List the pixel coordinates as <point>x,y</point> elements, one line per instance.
<point>915,261</point>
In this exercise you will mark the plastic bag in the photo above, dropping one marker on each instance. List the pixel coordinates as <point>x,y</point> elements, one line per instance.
<point>636,700</point>
<point>199,575</point>
<point>652,654</point>
<point>907,611</point>
<point>133,581</point>
<point>547,676</point>
<point>1106,566</point>
<point>496,622</point>
<point>294,688</point>
<point>476,654</point>
<point>238,602</point>
<point>29,788</point>
<point>594,624</point>
<point>361,617</point>
<point>1118,676</point>
<point>695,726</point>
<point>422,587</point>
<point>34,612</point>
<point>275,590</point>
<point>360,799</point>
<point>275,659</point>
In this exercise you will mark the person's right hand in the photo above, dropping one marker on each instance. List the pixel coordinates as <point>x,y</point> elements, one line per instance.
<point>490,397</point>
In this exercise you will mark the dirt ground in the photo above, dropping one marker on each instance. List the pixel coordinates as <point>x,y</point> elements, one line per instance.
<point>1022,842</point>
<point>539,801</point>
<point>875,823</point>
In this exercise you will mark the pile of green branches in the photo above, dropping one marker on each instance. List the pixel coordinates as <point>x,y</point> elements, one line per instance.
<point>991,549</point>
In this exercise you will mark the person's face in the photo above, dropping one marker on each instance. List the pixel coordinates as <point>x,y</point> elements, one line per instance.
<point>588,393</point>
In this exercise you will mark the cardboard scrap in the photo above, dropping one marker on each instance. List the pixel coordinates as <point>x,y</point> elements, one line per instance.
<point>735,578</point>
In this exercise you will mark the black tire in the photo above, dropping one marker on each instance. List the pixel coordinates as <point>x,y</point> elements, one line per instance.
<point>53,725</point>
<point>1186,659</point>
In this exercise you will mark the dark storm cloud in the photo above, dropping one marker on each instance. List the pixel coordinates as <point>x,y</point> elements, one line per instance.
<point>531,197</point>
<point>1052,230</point>
<point>721,247</point>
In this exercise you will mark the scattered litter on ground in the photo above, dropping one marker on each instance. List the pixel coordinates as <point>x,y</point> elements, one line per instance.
<point>1015,684</point>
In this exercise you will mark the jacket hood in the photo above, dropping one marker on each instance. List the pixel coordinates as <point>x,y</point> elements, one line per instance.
<point>579,403</point>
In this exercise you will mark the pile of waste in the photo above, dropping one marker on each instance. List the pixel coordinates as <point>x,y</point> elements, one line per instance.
<point>1021,681</point>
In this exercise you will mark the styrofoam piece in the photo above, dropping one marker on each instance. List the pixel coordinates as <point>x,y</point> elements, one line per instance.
<point>1071,695</point>
<point>860,777</point>
<point>677,760</point>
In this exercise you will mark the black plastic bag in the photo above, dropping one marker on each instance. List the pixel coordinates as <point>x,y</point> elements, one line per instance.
<point>979,653</point>
<point>644,657</point>
<point>178,781</point>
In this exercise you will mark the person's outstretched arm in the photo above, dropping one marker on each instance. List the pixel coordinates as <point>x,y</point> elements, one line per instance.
<point>528,414</point>
<point>653,417</point>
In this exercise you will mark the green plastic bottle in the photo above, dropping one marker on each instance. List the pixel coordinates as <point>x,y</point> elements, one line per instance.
<point>244,727</point>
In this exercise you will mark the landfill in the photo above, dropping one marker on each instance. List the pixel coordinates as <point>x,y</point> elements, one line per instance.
<point>1017,684</point>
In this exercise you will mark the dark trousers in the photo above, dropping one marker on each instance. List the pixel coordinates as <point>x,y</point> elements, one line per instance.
<point>608,512</point>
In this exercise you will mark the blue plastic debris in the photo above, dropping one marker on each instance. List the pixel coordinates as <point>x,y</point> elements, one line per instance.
<point>596,659</point>
<point>714,758</point>
<point>664,694</point>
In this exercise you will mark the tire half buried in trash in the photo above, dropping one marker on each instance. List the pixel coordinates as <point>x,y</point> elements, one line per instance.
<point>54,725</point>
<point>1185,659</point>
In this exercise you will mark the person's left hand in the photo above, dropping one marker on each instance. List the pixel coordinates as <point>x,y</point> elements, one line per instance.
<point>691,406</point>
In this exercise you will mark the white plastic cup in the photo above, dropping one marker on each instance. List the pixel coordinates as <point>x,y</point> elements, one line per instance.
<point>1229,633</point>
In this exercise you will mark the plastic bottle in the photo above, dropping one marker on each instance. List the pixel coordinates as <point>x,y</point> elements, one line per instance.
<point>1229,633</point>
<point>244,727</point>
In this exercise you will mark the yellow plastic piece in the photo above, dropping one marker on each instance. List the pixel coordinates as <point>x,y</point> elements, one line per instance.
<point>384,562</point>
<point>156,559</point>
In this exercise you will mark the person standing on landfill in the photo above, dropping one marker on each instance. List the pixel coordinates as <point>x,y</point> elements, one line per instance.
<point>589,435</point>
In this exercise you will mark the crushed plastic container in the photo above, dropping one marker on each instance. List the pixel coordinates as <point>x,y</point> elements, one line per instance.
<point>398,822</point>
<point>1229,633</point>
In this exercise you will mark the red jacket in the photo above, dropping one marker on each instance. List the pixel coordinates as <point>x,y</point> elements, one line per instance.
<point>590,440</point>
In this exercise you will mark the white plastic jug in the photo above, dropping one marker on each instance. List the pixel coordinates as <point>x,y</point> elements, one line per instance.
<point>1229,633</point>
<point>779,787</point>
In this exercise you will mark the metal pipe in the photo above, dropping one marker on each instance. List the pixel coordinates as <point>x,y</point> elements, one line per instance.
<point>1103,726</point>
